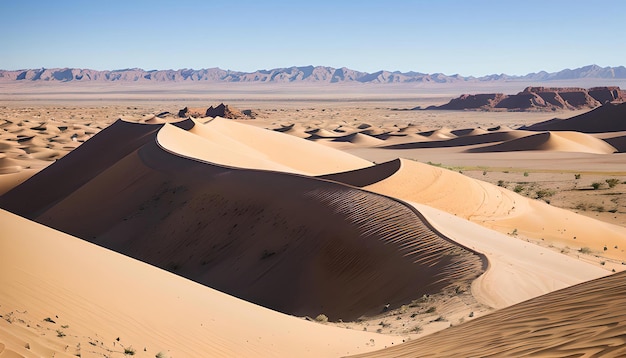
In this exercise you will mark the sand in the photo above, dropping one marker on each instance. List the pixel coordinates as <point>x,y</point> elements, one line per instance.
<point>103,303</point>
<point>289,215</point>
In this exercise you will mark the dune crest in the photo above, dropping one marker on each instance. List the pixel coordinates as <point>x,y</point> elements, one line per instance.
<point>323,241</point>
<point>552,141</point>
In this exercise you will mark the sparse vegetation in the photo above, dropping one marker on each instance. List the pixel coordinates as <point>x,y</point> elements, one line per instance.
<point>582,206</point>
<point>612,182</point>
<point>596,185</point>
<point>544,193</point>
<point>48,319</point>
<point>584,250</point>
<point>321,318</point>
<point>160,355</point>
<point>518,188</point>
<point>431,309</point>
<point>60,333</point>
<point>576,176</point>
<point>130,351</point>
<point>525,174</point>
<point>501,183</point>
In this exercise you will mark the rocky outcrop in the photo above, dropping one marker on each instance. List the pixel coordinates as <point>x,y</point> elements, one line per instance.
<point>538,99</point>
<point>222,110</point>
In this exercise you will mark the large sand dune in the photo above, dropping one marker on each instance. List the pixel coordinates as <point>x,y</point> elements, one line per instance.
<point>292,243</point>
<point>552,141</point>
<point>103,303</point>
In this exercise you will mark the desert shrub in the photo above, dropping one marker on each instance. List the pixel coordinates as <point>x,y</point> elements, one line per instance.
<point>501,183</point>
<point>431,310</point>
<point>525,174</point>
<point>612,182</point>
<point>582,206</point>
<point>129,351</point>
<point>518,188</point>
<point>321,318</point>
<point>596,185</point>
<point>60,333</point>
<point>542,193</point>
<point>577,176</point>
<point>585,250</point>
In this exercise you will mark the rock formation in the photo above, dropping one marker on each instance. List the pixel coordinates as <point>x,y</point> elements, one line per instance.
<point>537,99</point>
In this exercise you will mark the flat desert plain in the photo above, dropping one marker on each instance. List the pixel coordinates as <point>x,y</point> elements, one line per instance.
<point>325,222</point>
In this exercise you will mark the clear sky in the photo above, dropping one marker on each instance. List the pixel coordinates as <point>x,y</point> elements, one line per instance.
<point>469,37</point>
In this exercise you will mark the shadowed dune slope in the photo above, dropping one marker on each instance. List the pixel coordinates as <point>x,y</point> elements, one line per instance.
<point>79,166</point>
<point>366,176</point>
<point>465,140</point>
<point>103,301</point>
<point>291,243</point>
<point>555,141</point>
<point>607,118</point>
<point>586,320</point>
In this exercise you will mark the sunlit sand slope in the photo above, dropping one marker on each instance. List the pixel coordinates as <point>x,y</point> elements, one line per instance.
<point>63,297</point>
<point>586,320</point>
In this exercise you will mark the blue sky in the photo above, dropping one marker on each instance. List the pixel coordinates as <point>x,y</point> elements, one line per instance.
<point>466,37</point>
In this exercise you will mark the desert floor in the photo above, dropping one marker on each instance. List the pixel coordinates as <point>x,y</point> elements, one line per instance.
<point>35,131</point>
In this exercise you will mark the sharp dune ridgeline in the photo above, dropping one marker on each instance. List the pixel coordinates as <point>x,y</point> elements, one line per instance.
<point>192,234</point>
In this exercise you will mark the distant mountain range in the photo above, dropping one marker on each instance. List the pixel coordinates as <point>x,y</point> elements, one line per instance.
<point>315,74</point>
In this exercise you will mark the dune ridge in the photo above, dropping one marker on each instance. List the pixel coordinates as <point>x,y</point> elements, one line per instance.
<point>202,221</point>
<point>489,205</point>
<point>552,141</point>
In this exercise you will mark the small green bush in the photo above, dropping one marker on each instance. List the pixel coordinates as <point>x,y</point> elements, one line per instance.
<point>612,182</point>
<point>321,318</point>
<point>596,185</point>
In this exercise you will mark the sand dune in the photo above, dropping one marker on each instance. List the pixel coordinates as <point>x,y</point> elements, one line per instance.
<point>489,205</point>
<point>104,303</point>
<point>517,269</point>
<point>606,118</point>
<point>586,320</point>
<point>466,140</point>
<point>323,243</point>
<point>290,225</point>
<point>552,141</point>
<point>251,144</point>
